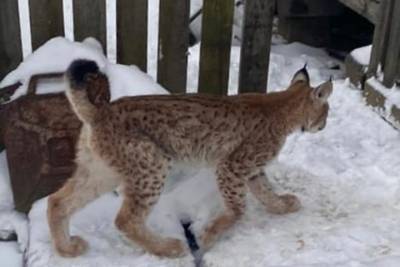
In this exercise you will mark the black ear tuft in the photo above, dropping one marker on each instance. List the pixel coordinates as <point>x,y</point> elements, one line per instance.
<point>79,69</point>
<point>301,75</point>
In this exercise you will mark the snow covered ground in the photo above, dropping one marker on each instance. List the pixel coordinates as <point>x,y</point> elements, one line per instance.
<point>347,177</point>
<point>392,95</point>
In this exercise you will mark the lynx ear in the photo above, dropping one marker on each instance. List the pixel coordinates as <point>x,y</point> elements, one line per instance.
<point>301,75</point>
<point>323,91</point>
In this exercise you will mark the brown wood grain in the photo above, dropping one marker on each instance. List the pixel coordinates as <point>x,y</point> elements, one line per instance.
<point>90,20</point>
<point>256,46</point>
<point>132,32</point>
<point>393,48</point>
<point>10,37</point>
<point>47,20</point>
<point>381,36</point>
<point>173,43</point>
<point>216,38</point>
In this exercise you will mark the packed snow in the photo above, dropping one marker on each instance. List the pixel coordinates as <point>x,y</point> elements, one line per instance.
<point>346,177</point>
<point>124,80</point>
<point>362,54</point>
<point>9,255</point>
<point>391,99</point>
<point>11,222</point>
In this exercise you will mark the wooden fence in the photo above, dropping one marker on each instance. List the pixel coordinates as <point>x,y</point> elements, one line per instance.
<point>386,43</point>
<point>46,17</point>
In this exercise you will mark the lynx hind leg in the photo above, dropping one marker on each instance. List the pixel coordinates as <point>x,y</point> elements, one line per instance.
<point>233,190</point>
<point>141,192</point>
<point>78,191</point>
<point>274,203</point>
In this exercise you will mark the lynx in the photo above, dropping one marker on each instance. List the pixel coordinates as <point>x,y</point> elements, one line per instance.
<point>133,142</point>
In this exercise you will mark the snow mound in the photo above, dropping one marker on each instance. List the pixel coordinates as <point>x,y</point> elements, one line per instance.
<point>10,255</point>
<point>362,55</point>
<point>6,197</point>
<point>346,177</point>
<point>58,53</point>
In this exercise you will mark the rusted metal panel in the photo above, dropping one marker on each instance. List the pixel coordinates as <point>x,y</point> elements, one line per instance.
<point>40,133</point>
<point>39,137</point>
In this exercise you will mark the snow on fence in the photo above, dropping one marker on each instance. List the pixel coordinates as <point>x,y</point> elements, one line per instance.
<point>46,18</point>
<point>386,43</point>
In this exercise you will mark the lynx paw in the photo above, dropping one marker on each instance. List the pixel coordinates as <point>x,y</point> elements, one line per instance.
<point>170,247</point>
<point>75,247</point>
<point>286,203</point>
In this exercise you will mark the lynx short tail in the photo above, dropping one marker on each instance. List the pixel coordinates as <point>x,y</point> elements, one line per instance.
<point>82,76</point>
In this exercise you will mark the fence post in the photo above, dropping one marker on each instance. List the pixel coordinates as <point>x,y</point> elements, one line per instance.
<point>173,43</point>
<point>10,37</point>
<point>132,32</point>
<point>47,20</point>
<point>90,20</point>
<point>256,45</point>
<point>393,48</point>
<point>216,38</point>
<point>381,35</point>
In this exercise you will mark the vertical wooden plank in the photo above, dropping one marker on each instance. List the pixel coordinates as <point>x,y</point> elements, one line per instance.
<point>256,45</point>
<point>132,32</point>
<point>381,36</point>
<point>393,49</point>
<point>173,43</point>
<point>215,46</point>
<point>47,20</point>
<point>10,37</point>
<point>90,20</point>
<point>396,80</point>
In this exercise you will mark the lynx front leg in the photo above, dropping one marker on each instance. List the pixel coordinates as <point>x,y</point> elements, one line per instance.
<point>232,187</point>
<point>274,203</point>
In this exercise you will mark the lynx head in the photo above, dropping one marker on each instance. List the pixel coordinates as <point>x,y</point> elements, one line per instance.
<point>316,107</point>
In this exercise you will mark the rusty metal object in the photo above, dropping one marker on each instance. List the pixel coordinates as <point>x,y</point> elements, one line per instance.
<point>8,91</point>
<point>5,95</point>
<point>40,132</point>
